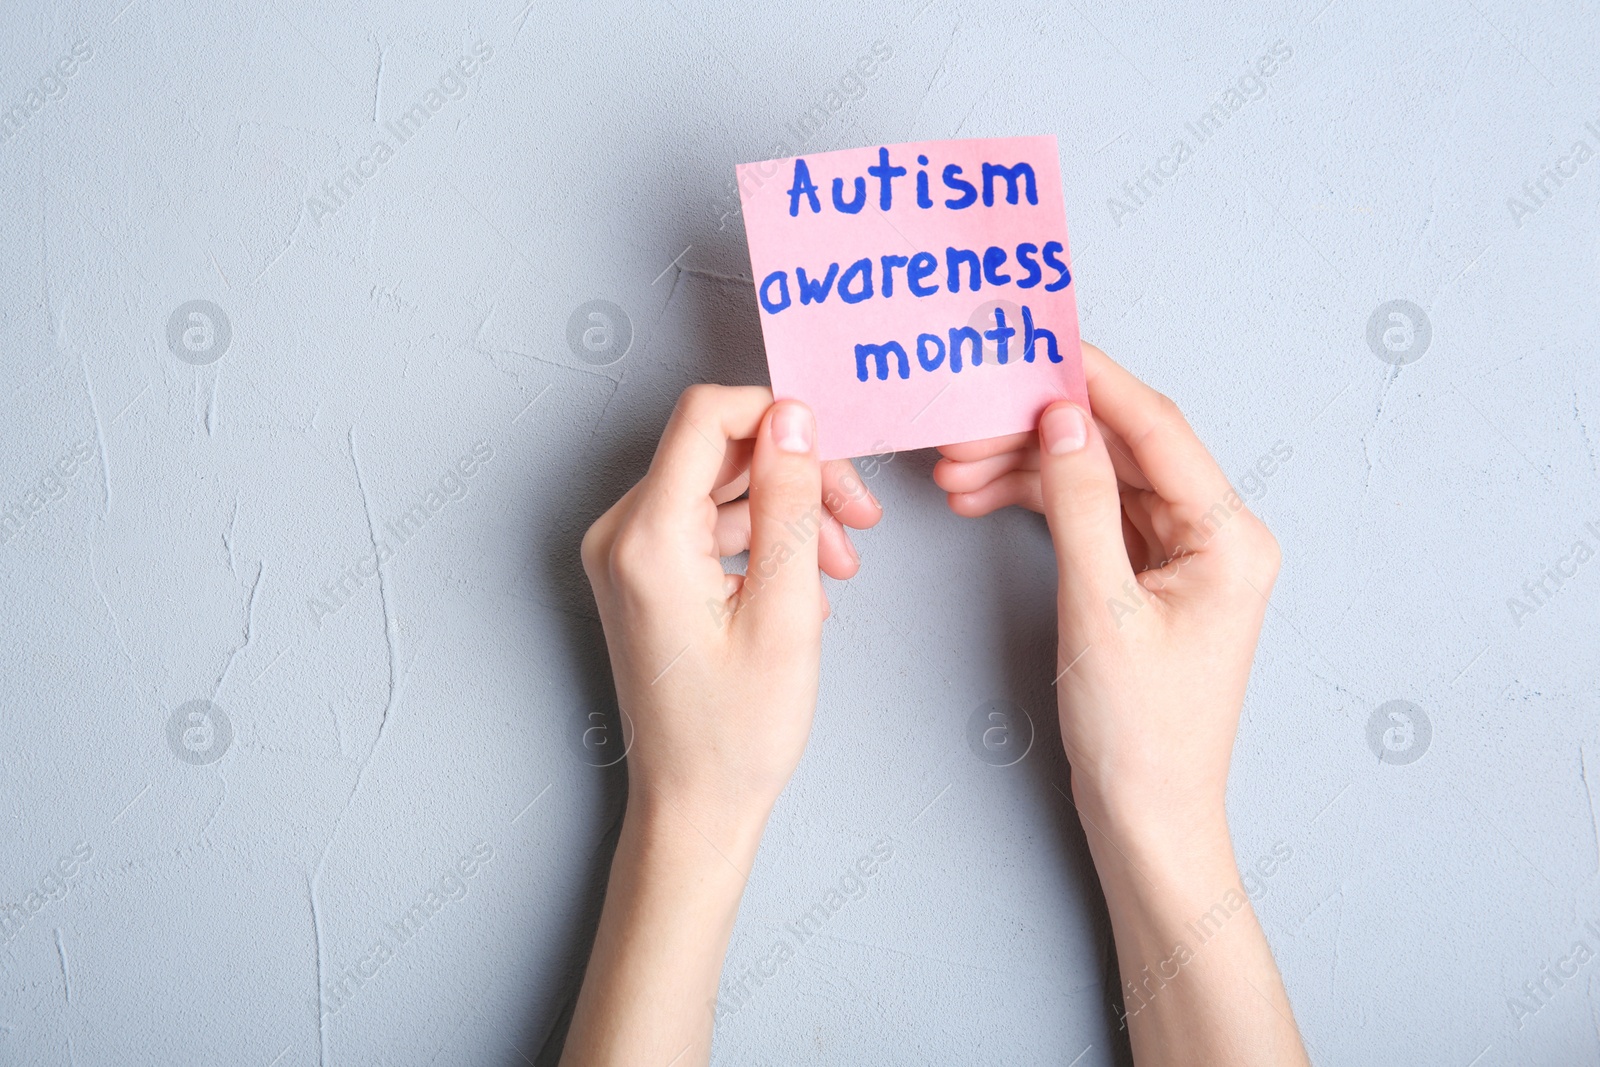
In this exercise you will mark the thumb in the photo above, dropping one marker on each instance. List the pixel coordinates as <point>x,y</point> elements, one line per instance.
<point>1084,510</point>
<point>782,585</point>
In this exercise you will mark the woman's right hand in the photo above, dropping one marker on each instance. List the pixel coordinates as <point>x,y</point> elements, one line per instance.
<point>1163,584</point>
<point>1163,578</point>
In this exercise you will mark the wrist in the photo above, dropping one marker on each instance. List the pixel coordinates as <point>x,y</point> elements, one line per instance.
<point>666,831</point>
<point>671,902</point>
<point>1162,843</point>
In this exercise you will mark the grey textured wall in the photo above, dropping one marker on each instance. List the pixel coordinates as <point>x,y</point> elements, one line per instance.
<point>208,503</point>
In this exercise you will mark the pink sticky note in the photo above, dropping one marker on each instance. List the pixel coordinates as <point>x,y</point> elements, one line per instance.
<point>881,271</point>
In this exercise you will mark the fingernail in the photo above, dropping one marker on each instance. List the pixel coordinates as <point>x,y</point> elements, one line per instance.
<point>851,548</point>
<point>792,428</point>
<point>1063,429</point>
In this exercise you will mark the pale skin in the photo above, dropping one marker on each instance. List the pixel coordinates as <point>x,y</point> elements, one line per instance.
<point>718,676</point>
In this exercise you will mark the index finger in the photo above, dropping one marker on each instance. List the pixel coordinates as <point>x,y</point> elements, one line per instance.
<point>691,459</point>
<point>1178,467</point>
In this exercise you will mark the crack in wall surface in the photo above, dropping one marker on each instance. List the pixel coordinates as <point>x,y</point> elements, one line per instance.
<point>316,935</point>
<point>227,537</point>
<point>1366,485</point>
<point>116,626</point>
<point>338,729</point>
<point>1583,428</point>
<point>99,435</point>
<point>714,276</point>
<point>211,402</point>
<point>944,60</point>
<point>313,880</point>
<point>249,631</point>
<point>383,588</point>
<point>223,799</point>
<point>66,975</point>
<point>1594,814</point>
<point>377,86</point>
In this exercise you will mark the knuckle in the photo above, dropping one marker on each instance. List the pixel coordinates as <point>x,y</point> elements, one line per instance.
<point>1171,423</point>
<point>1271,554</point>
<point>591,550</point>
<point>1259,555</point>
<point>1166,423</point>
<point>698,400</point>
<point>790,488</point>
<point>1168,412</point>
<point>1088,495</point>
<point>633,556</point>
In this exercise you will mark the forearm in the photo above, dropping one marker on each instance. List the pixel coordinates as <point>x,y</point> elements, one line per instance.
<point>649,992</point>
<point>1199,983</point>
